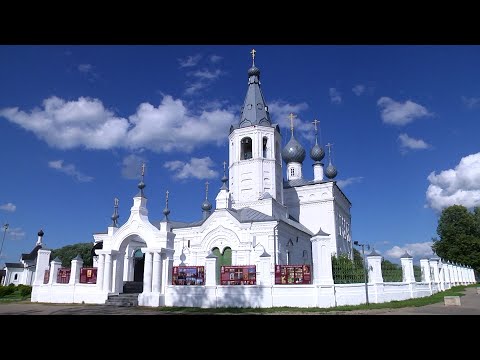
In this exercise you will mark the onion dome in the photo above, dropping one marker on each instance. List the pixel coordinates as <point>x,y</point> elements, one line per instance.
<point>40,233</point>
<point>166,212</point>
<point>330,172</point>
<point>206,205</point>
<point>254,71</point>
<point>317,153</point>
<point>293,152</point>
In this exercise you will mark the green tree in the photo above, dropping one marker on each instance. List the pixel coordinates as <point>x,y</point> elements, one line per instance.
<point>67,253</point>
<point>459,236</point>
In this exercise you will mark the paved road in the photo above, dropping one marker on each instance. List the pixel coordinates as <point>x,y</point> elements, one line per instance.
<point>470,305</point>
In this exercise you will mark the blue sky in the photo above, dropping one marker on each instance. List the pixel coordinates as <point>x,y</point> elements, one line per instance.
<point>77,121</point>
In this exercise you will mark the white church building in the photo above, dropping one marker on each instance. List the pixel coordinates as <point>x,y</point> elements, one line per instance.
<point>268,240</point>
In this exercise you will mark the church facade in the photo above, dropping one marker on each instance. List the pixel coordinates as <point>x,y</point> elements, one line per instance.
<point>262,221</point>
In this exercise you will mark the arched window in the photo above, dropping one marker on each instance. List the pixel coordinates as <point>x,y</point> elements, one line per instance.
<point>246,148</point>
<point>265,140</point>
<point>16,277</point>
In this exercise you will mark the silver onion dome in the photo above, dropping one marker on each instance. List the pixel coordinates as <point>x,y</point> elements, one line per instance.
<point>293,152</point>
<point>206,205</point>
<point>317,153</point>
<point>254,71</point>
<point>330,172</point>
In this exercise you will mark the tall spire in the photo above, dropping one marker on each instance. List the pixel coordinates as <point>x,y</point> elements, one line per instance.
<point>330,172</point>
<point>141,184</point>
<point>224,178</point>
<point>166,211</point>
<point>254,110</point>
<point>115,213</point>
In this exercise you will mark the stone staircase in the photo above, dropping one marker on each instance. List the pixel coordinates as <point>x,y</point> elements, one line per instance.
<point>129,297</point>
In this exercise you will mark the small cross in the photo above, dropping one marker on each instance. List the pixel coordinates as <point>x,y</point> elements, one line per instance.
<point>253,56</point>
<point>329,145</point>
<point>291,116</point>
<point>224,165</point>
<point>206,190</point>
<point>143,169</point>
<point>315,122</point>
<point>115,202</point>
<point>166,196</point>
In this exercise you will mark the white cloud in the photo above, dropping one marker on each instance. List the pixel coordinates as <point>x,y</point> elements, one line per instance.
<point>458,186</point>
<point>8,207</point>
<point>15,234</point>
<point>407,142</point>
<point>195,87</point>
<point>215,58</point>
<point>280,110</point>
<point>132,166</point>
<point>87,123</point>
<point>206,74</point>
<point>397,113</point>
<point>189,61</point>
<point>199,168</point>
<point>359,89</point>
<point>70,170</point>
<point>85,68</point>
<point>349,181</point>
<point>470,102</point>
<point>171,126</point>
<point>69,124</point>
<point>335,96</point>
<point>416,250</point>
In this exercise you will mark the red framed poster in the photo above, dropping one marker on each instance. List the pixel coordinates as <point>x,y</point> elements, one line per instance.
<point>88,275</point>
<point>46,276</point>
<point>292,274</point>
<point>188,275</point>
<point>63,275</point>
<point>238,275</point>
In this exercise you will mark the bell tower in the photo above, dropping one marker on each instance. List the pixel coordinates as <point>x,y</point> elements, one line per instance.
<point>255,163</point>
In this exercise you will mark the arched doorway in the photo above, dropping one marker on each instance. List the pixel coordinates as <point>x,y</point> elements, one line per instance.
<point>138,265</point>
<point>223,259</point>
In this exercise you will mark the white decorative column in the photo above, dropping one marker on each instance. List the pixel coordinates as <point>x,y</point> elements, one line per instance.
<point>322,259</point>
<point>374,264</point>
<point>100,271</point>
<point>126,265</point>
<point>436,277</point>
<point>107,273</point>
<point>211,270</point>
<point>43,257</point>
<point>425,266</point>
<point>446,275</point>
<point>265,275</point>
<point>147,271</point>
<point>455,274</point>
<point>167,269</point>
<point>55,264</point>
<point>157,272</point>
<point>407,267</point>
<point>77,264</point>
<point>317,171</point>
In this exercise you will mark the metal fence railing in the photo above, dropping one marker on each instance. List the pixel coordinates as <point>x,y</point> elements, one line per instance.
<point>391,272</point>
<point>346,271</point>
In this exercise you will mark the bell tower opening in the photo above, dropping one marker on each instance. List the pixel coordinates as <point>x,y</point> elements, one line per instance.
<point>246,148</point>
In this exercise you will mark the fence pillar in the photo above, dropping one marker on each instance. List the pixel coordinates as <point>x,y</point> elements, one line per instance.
<point>211,270</point>
<point>100,268</point>
<point>43,257</point>
<point>147,271</point>
<point>265,275</point>
<point>77,264</point>
<point>406,261</point>
<point>374,265</point>
<point>55,264</point>
<point>157,272</point>
<point>322,259</point>
<point>435,273</point>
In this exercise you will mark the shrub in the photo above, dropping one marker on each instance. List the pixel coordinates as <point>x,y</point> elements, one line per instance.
<point>25,290</point>
<point>6,290</point>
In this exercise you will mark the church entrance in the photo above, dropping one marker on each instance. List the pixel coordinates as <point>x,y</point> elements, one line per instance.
<point>138,265</point>
<point>223,259</point>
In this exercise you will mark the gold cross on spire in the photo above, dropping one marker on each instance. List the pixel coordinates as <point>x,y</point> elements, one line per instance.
<point>253,56</point>
<point>291,116</point>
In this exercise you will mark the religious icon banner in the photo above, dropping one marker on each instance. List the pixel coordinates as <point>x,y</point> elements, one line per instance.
<point>238,275</point>
<point>292,274</point>
<point>88,275</point>
<point>188,275</point>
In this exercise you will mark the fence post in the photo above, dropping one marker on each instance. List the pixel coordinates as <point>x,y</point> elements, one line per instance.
<point>43,256</point>
<point>55,264</point>
<point>211,270</point>
<point>77,264</point>
<point>265,276</point>
<point>374,264</point>
<point>446,275</point>
<point>322,259</point>
<point>406,261</point>
<point>436,277</point>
